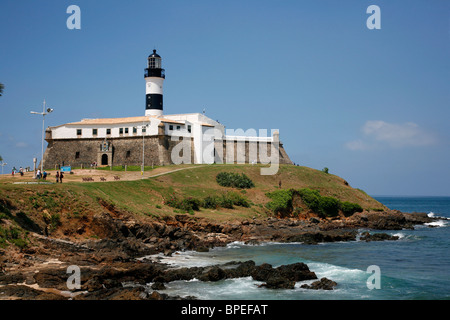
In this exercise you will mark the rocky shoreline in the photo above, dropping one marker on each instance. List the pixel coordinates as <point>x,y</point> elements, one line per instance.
<point>113,268</point>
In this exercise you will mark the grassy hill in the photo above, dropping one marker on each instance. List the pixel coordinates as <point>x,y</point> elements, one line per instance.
<point>66,209</point>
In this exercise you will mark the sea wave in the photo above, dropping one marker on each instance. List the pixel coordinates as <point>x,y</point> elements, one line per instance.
<point>439,223</point>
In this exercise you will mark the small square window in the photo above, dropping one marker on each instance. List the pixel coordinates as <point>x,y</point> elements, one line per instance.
<point>121,131</point>
<point>94,132</point>
<point>134,129</point>
<point>144,129</point>
<point>189,128</point>
<point>108,131</point>
<point>170,127</point>
<point>128,154</point>
<point>77,155</point>
<point>178,127</point>
<point>78,132</point>
<point>126,130</point>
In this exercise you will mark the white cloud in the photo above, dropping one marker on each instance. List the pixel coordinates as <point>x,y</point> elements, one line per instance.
<point>356,145</point>
<point>21,144</point>
<point>392,134</point>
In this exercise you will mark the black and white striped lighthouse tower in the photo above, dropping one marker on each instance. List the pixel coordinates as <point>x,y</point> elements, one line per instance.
<point>154,78</point>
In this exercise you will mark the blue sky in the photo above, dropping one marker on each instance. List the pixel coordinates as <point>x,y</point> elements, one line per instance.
<point>371,105</point>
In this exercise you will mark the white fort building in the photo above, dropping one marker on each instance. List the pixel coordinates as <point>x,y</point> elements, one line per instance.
<point>157,138</point>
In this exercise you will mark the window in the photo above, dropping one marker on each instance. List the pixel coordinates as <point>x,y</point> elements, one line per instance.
<point>78,132</point>
<point>108,131</point>
<point>126,130</point>
<point>189,128</point>
<point>94,132</point>
<point>178,127</point>
<point>144,129</point>
<point>121,131</point>
<point>170,127</point>
<point>77,155</point>
<point>134,129</point>
<point>128,154</point>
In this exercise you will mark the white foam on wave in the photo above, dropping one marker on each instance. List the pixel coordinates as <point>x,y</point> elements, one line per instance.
<point>181,259</point>
<point>399,235</point>
<point>240,244</point>
<point>439,223</point>
<point>335,273</point>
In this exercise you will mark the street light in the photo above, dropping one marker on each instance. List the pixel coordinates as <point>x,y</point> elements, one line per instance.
<point>3,164</point>
<point>43,113</point>
<point>144,126</point>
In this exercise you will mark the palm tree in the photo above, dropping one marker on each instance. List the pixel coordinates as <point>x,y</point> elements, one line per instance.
<point>1,89</point>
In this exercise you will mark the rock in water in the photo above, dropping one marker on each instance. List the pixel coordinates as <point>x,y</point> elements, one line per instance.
<point>322,284</point>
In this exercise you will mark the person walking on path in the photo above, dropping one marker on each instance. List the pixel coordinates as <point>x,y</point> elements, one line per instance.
<point>61,176</point>
<point>57,176</point>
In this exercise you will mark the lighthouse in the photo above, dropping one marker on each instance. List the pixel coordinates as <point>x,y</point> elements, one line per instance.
<point>154,78</point>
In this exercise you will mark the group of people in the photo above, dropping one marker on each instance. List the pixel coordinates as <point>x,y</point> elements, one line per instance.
<point>41,175</point>
<point>59,176</point>
<point>14,171</point>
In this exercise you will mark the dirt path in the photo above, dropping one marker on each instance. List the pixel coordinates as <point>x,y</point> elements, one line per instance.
<point>95,175</point>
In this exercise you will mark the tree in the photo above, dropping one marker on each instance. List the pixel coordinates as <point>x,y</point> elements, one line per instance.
<point>1,159</point>
<point>1,89</point>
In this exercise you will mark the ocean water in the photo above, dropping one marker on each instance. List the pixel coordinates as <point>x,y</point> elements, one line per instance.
<point>415,267</point>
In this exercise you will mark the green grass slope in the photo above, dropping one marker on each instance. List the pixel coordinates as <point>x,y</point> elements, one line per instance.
<point>29,207</point>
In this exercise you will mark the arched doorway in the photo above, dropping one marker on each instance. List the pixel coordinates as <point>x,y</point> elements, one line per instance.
<point>104,160</point>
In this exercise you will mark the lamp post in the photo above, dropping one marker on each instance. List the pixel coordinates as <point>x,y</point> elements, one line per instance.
<point>3,164</point>
<point>144,132</point>
<point>43,113</point>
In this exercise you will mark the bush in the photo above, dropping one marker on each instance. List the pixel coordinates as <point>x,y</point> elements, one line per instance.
<point>329,206</point>
<point>185,204</point>
<point>211,202</point>
<point>234,180</point>
<point>11,235</point>
<point>349,208</point>
<point>226,202</point>
<point>189,204</point>
<point>55,221</point>
<point>21,243</point>
<point>324,206</point>
<point>281,201</point>
<point>238,199</point>
<point>311,198</point>
<point>325,170</point>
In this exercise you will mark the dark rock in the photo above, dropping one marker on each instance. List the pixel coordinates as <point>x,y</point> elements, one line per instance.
<point>158,286</point>
<point>314,220</point>
<point>417,217</point>
<point>322,284</point>
<point>366,236</point>
<point>22,292</point>
<point>278,282</point>
<point>296,272</point>
<point>213,274</point>
<point>263,272</point>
